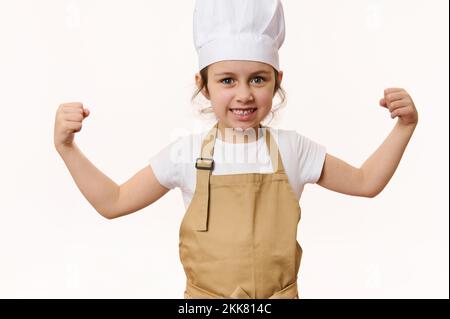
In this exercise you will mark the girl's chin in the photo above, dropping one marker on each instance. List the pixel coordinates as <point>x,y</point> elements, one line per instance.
<point>237,125</point>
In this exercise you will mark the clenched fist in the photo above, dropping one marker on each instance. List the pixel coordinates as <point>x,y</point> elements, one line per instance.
<point>401,105</point>
<point>68,121</point>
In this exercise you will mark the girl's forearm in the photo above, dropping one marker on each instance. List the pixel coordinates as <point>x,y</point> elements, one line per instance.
<point>379,168</point>
<point>99,189</point>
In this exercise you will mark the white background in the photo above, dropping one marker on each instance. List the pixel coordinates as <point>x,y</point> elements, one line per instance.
<point>133,64</point>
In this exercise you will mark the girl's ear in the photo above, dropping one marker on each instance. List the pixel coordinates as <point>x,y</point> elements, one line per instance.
<point>199,83</point>
<point>279,79</point>
<point>280,76</point>
<point>205,94</point>
<point>198,79</point>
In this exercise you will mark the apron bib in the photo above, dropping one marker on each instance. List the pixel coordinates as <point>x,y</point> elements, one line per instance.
<point>238,238</point>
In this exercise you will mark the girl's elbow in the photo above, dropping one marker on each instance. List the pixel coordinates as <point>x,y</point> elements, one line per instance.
<point>109,217</point>
<point>107,214</point>
<point>371,188</point>
<point>372,193</point>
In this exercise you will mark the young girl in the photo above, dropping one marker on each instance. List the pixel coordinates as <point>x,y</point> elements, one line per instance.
<point>238,238</point>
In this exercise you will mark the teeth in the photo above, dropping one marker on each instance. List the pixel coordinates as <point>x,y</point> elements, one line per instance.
<point>242,112</point>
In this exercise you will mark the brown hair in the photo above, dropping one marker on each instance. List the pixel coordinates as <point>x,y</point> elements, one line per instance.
<point>278,89</point>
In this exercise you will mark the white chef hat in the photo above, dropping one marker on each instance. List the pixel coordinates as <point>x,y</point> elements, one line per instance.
<point>250,30</point>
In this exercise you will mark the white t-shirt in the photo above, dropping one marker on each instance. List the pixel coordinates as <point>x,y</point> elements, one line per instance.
<point>302,159</point>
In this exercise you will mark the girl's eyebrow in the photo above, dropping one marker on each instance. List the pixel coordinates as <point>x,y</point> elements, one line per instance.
<point>231,73</point>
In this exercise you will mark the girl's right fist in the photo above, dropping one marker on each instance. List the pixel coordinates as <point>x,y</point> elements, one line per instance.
<point>68,119</point>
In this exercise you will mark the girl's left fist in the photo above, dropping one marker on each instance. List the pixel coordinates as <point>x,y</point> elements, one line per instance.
<point>401,105</point>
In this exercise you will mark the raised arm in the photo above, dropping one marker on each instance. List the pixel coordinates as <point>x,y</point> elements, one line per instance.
<point>109,199</point>
<point>371,178</point>
<point>138,192</point>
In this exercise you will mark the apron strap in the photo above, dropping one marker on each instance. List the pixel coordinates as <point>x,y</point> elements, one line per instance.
<point>272,149</point>
<point>205,165</point>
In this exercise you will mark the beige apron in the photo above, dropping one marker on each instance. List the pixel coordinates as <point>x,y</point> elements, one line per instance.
<point>238,238</point>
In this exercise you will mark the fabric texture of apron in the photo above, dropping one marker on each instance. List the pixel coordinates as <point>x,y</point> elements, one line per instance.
<point>238,238</point>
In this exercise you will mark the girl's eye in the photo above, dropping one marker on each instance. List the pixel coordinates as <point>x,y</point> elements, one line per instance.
<point>225,80</point>
<point>258,77</point>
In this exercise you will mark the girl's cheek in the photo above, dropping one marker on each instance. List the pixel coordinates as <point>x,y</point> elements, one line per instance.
<point>220,105</point>
<point>224,99</point>
<point>265,98</point>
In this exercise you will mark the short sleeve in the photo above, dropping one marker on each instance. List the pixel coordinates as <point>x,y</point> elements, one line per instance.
<point>165,165</point>
<point>311,159</point>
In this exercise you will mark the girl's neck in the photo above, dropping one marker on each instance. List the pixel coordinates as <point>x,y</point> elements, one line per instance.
<point>238,136</point>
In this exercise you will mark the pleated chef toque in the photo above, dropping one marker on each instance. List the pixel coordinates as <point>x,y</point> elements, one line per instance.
<point>252,30</point>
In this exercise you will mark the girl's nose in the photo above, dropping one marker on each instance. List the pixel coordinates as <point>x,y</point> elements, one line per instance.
<point>244,94</point>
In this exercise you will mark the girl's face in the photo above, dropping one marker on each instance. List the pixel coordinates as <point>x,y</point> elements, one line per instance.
<point>241,92</point>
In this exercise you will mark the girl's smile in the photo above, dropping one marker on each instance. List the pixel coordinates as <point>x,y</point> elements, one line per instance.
<point>244,114</point>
